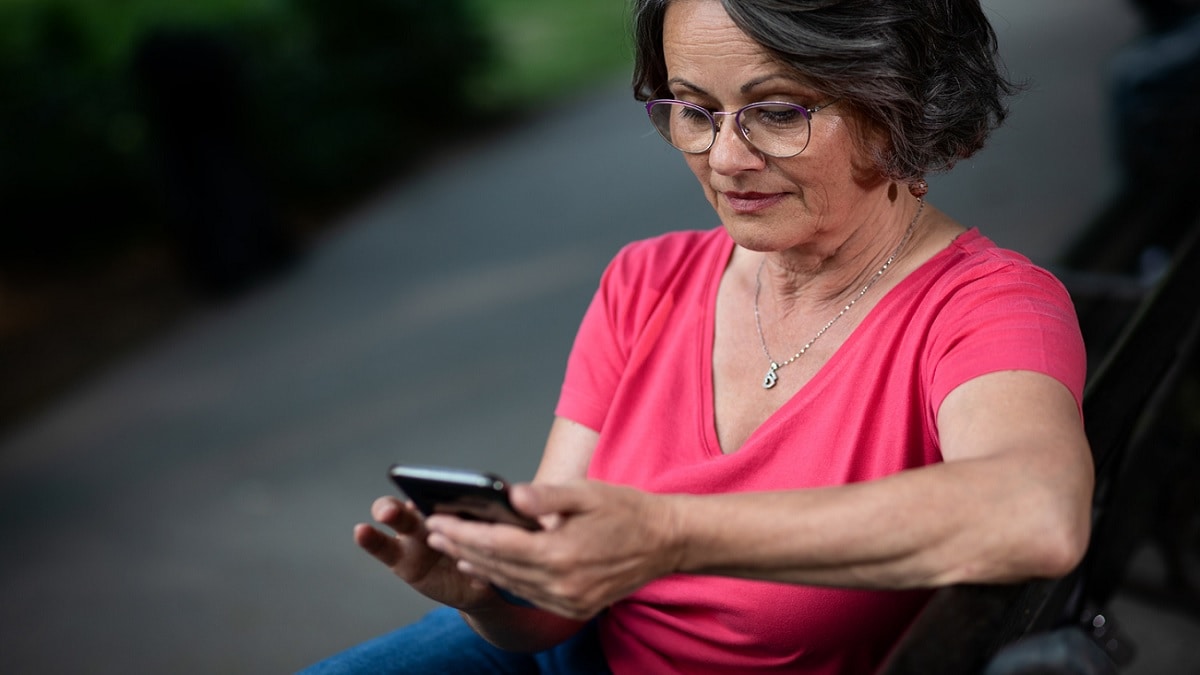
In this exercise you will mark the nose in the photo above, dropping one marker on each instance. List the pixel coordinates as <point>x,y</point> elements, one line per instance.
<point>731,152</point>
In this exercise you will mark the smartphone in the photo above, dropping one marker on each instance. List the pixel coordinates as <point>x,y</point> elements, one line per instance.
<point>467,494</point>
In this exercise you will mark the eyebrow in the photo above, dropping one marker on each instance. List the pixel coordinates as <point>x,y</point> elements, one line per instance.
<point>745,88</point>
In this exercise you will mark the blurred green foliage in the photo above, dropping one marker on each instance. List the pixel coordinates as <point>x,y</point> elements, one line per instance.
<point>333,95</point>
<point>547,47</point>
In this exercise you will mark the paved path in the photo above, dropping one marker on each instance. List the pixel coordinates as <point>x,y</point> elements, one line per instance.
<point>189,510</point>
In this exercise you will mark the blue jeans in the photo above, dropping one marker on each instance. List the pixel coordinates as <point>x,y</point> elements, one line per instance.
<point>442,643</point>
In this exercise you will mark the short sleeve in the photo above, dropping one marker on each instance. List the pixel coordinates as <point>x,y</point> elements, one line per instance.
<point>597,359</point>
<point>1009,315</point>
<point>637,293</point>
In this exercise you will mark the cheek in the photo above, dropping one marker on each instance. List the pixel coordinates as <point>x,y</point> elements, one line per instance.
<point>699,166</point>
<point>860,147</point>
<point>839,156</point>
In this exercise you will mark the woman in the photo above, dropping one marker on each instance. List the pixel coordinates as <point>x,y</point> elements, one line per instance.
<point>774,437</point>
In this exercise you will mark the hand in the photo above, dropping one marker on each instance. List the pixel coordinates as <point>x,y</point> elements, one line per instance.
<point>600,543</point>
<point>410,558</point>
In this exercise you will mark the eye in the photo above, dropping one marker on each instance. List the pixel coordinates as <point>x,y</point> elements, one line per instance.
<point>777,115</point>
<point>691,114</point>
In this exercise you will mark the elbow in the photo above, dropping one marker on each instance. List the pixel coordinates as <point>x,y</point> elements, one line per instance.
<point>1048,541</point>
<point>1064,528</point>
<point>1059,558</point>
<point>1061,547</point>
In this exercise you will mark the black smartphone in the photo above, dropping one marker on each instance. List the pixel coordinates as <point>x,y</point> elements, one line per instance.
<point>467,494</point>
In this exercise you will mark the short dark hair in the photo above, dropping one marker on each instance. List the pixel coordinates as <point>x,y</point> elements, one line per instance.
<point>924,72</point>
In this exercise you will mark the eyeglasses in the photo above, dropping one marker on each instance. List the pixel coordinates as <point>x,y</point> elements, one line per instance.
<point>774,128</point>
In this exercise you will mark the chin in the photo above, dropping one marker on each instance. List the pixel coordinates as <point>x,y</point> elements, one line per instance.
<point>754,236</point>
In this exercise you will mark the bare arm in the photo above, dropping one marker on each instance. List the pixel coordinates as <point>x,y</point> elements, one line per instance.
<point>568,452</point>
<point>1011,501</point>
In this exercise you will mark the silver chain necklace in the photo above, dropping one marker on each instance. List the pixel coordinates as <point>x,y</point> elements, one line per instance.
<point>772,376</point>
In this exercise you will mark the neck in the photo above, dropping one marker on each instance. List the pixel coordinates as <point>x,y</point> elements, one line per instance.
<point>772,375</point>
<point>824,274</point>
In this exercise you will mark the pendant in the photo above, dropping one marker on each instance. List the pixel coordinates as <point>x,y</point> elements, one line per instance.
<point>771,378</point>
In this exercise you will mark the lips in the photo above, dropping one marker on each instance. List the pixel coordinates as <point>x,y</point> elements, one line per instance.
<point>751,202</point>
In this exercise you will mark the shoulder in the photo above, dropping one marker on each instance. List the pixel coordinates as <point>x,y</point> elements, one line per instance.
<point>972,266</point>
<point>655,262</point>
<point>989,309</point>
<point>973,253</point>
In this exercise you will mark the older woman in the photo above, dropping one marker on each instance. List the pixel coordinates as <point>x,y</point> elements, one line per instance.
<point>774,437</point>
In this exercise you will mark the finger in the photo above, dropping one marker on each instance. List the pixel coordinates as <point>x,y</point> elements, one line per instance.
<point>487,562</point>
<point>459,538</point>
<point>521,574</point>
<point>462,530</point>
<point>479,541</point>
<point>526,591</point>
<point>402,517</point>
<point>507,576</point>
<point>382,547</point>
<point>504,555</point>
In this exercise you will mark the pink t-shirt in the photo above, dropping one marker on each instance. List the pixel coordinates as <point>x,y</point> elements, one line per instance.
<point>640,373</point>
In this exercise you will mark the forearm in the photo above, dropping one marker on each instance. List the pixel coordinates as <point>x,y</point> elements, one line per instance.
<point>977,520</point>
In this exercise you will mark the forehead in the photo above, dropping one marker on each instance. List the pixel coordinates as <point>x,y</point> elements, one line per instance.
<point>701,42</point>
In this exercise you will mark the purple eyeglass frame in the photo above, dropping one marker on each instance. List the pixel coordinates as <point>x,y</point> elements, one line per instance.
<point>737,119</point>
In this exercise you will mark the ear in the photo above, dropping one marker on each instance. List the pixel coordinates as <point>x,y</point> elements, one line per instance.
<point>872,144</point>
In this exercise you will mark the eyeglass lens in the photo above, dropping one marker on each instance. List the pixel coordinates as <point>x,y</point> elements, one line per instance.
<point>777,129</point>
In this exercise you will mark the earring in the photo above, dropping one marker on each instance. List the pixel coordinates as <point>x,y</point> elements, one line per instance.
<point>918,188</point>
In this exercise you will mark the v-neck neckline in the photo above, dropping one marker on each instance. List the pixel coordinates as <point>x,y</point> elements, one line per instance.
<point>819,380</point>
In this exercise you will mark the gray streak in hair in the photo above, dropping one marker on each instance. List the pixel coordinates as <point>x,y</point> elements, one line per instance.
<point>926,73</point>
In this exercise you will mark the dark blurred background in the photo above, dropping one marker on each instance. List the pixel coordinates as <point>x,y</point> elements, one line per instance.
<point>158,154</point>
<point>253,251</point>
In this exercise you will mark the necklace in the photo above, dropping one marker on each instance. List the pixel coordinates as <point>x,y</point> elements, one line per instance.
<point>772,375</point>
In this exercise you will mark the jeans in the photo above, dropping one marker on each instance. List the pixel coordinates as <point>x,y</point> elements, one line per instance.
<point>442,643</point>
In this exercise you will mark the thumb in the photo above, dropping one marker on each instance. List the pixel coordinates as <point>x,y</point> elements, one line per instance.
<point>542,499</point>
